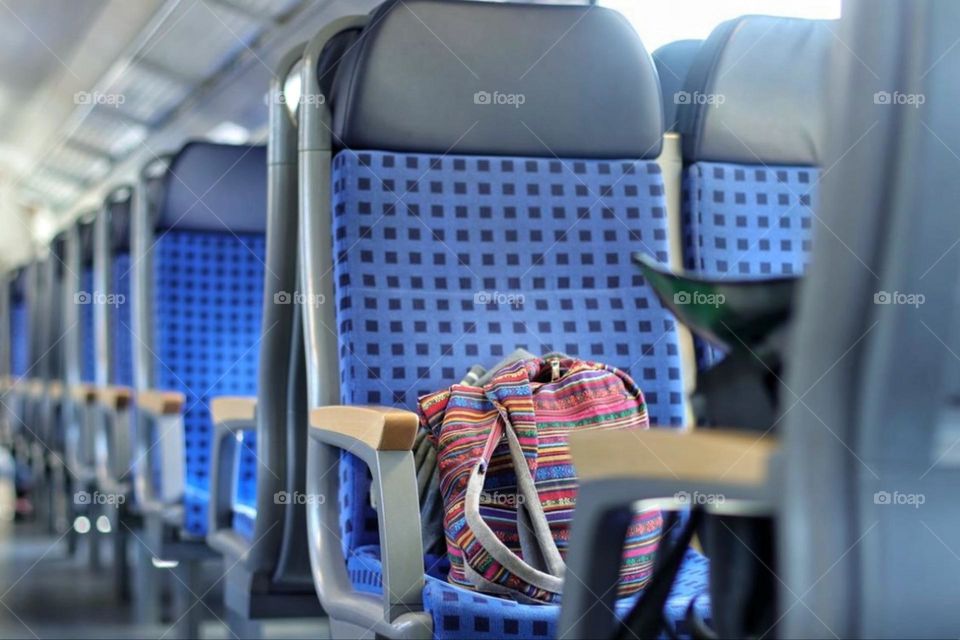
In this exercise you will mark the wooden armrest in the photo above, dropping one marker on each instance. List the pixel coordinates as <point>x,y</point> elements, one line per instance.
<point>715,455</point>
<point>55,389</point>
<point>115,397</point>
<point>380,428</point>
<point>161,403</point>
<point>83,393</point>
<point>233,408</point>
<point>33,387</point>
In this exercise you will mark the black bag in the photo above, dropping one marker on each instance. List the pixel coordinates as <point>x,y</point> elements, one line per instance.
<point>743,391</point>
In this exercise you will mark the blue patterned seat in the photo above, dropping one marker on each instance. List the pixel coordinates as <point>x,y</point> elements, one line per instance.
<point>477,261</point>
<point>750,185</point>
<point>463,615</point>
<point>87,345</point>
<point>207,212</point>
<point>19,326</point>
<point>208,290</point>
<point>460,235</point>
<point>121,321</point>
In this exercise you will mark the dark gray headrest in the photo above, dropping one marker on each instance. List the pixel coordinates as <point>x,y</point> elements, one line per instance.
<point>85,237</point>
<point>466,77</point>
<point>118,206</point>
<point>673,61</point>
<point>58,253</point>
<point>755,93</point>
<point>18,285</point>
<point>214,187</point>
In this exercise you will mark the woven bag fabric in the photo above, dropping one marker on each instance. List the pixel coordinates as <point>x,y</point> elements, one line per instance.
<point>536,403</point>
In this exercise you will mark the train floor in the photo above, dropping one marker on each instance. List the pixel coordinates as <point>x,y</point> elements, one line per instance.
<point>47,592</point>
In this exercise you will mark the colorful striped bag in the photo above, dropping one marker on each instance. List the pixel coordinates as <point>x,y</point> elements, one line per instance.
<point>507,478</point>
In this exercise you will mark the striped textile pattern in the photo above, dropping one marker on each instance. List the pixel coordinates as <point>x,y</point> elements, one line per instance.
<point>544,400</point>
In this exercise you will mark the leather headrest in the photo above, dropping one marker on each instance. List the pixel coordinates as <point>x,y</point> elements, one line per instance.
<point>755,93</point>
<point>214,187</point>
<point>455,76</point>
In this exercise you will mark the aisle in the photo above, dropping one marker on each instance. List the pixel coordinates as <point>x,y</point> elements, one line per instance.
<point>44,593</point>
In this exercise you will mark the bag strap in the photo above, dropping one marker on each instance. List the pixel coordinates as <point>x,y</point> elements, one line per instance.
<point>645,620</point>
<point>552,580</point>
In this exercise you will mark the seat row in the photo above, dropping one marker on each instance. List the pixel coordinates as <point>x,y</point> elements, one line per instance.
<point>231,349</point>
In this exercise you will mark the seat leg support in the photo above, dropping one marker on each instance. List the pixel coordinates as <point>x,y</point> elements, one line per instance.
<point>187,611</point>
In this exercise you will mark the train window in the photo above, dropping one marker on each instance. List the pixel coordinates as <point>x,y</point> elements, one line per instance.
<point>661,22</point>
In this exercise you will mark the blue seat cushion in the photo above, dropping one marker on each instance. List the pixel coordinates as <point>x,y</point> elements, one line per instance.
<point>745,222</point>
<point>458,613</point>
<point>446,262</point>
<point>208,289</point>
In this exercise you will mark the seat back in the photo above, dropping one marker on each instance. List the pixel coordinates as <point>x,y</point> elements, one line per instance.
<point>473,217</point>
<point>50,343</point>
<point>751,120</point>
<point>113,323</point>
<point>19,323</point>
<point>84,297</point>
<point>200,290</point>
<point>78,361</point>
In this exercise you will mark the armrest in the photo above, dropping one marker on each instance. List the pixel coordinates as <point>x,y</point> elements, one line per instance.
<point>230,414</point>
<point>383,439</point>
<point>233,409</point>
<point>83,393</point>
<point>707,455</point>
<point>723,470</point>
<point>34,387</point>
<point>379,428</point>
<point>112,439</point>
<point>55,390</point>
<point>160,428</point>
<point>161,403</point>
<point>115,397</point>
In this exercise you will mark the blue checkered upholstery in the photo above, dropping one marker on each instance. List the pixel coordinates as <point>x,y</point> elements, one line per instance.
<point>445,262</point>
<point>486,255</point>
<point>121,322</point>
<point>208,289</point>
<point>459,614</point>
<point>744,222</point>
<point>88,357</point>
<point>358,519</point>
<point>19,339</point>
<point>244,500</point>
